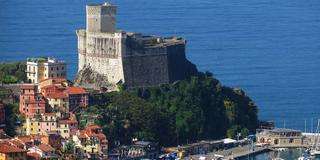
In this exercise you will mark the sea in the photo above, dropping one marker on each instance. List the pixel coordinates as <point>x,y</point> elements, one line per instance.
<point>269,48</point>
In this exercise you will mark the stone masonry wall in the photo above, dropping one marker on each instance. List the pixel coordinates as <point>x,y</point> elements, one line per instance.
<point>144,71</point>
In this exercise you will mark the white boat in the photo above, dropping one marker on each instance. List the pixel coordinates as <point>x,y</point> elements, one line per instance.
<point>304,158</point>
<point>315,150</point>
<point>281,149</point>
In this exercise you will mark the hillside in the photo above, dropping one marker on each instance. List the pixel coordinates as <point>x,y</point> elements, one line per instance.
<point>186,111</point>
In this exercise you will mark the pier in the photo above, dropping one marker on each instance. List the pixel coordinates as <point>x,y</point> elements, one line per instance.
<point>233,153</point>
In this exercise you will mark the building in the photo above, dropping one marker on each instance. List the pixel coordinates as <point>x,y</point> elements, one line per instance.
<point>138,150</point>
<point>54,81</point>
<point>67,127</point>
<point>39,69</point>
<point>31,102</point>
<point>78,98</point>
<point>11,152</point>
<point>56,97</point>
<point>43,124</point>
<point>92,141</point>
<point>108,56</point>
<point>280,137</point>
<point>44,151</point>
<point>2,115</point>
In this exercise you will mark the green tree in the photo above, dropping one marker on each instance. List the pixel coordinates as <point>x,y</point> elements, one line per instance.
<point>181,112</point>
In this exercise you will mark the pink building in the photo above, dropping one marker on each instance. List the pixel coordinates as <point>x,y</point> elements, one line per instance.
<point>48,123</point>
<point>31,102</point>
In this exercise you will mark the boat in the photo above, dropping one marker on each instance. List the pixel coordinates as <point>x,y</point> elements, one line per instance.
<point>305,155</point>
<point>281,149</point>
<point>315,149</point>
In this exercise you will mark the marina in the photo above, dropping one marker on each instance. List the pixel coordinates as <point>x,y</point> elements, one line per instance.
<point>271,143</point>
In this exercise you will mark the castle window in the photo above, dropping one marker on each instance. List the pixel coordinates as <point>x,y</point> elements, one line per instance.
<point>57,68</point>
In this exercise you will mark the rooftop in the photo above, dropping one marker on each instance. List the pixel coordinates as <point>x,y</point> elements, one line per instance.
<point>281,130</point>
<point>5,148</point>
<point>100,4</point>
<point>155,41</point>
<point>45,147</point>
<point>75,90</point>
<point>43,60</point>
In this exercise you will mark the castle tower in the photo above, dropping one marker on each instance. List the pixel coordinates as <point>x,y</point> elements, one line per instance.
<point>101,18</point>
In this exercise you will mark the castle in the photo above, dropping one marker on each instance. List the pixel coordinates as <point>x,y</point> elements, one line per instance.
<point>108,56</point>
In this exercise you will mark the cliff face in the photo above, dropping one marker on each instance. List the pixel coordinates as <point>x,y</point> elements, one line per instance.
<point>89,78</point>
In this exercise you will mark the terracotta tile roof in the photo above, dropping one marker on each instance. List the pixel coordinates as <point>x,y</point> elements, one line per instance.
<point>92,127</point>
<point>25,139</point>
<point>5,148</point>
<point>76,90</point>
<point>55,80</point>
<point>49,114</point>
<point>17,143</point>
<point>27,86</point>
<point>56,95</point>
<point>91,131</point>
<point>33,155</point>
<point>54,86</point>
<point>68,121</point>
<point>30,138</point>
<point>45,147</point>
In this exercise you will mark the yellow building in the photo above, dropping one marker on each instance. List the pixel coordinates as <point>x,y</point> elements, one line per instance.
<point>67,127</point>
<point>31,126</point>
<point>42,125</point>
<point>92,140</point>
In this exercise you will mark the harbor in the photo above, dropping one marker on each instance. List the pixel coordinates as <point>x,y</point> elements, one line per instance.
<point>267,143</point>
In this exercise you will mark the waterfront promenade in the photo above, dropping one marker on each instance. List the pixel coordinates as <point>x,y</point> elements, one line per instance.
<point>233,153</point>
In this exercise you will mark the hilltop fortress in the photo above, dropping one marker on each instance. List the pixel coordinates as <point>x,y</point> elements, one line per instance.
<point>108,56</point>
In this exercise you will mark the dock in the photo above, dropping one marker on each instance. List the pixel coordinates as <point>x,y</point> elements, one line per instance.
<point>233,153</point>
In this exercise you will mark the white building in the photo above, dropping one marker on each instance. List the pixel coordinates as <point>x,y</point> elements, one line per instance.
<point>39,69</point>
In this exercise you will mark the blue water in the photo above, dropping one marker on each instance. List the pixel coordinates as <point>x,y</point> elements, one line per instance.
<point>270,48</point>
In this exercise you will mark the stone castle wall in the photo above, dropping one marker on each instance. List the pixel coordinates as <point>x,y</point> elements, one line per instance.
<point>116,56</point>
<point>144,71</point>
<point>102,52</point>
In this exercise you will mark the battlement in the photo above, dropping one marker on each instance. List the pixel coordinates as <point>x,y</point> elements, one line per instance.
<point>149,41</point>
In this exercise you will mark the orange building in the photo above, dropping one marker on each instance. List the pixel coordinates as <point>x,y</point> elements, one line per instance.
<point>58,92</point>
<point>11,152</point>
<point>31,102</point>
<point>56,97</point>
